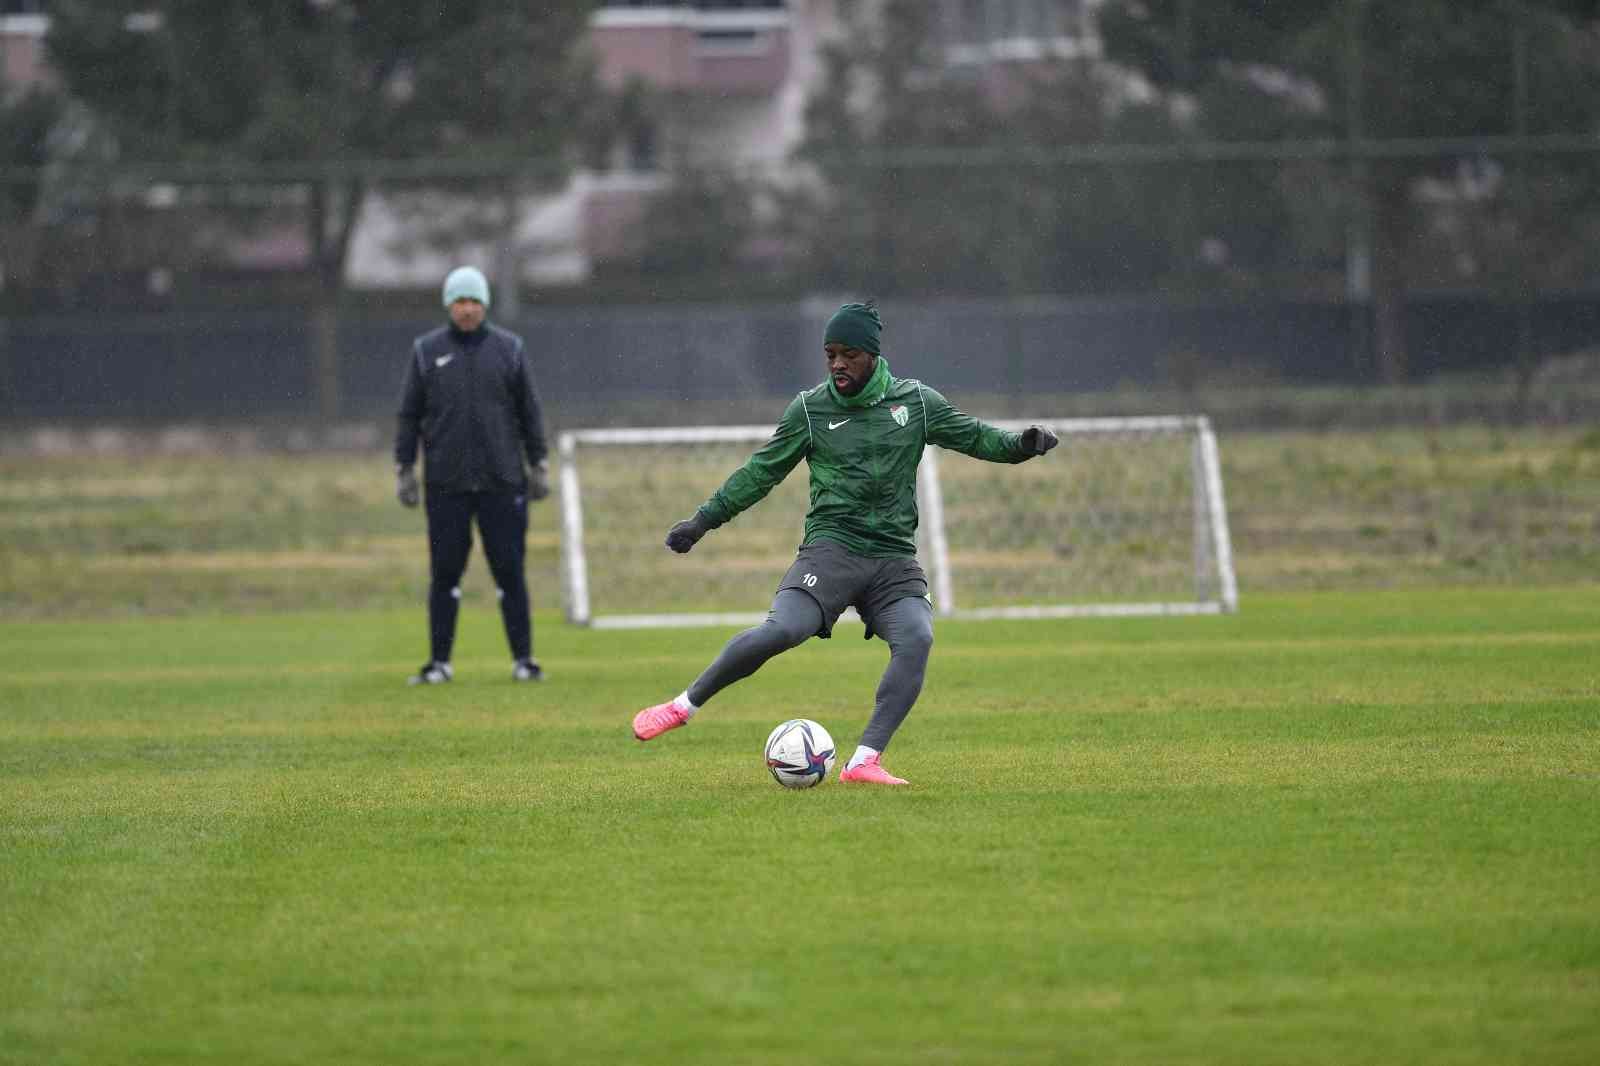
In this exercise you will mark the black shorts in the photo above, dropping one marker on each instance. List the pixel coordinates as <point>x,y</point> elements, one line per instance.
<point>837,578</point>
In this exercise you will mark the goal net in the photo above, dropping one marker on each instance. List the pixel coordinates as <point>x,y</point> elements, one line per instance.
<point>1126,517</point>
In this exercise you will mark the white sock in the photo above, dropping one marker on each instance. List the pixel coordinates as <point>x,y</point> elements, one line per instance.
<point>685,704</point>
<point>862,754</point>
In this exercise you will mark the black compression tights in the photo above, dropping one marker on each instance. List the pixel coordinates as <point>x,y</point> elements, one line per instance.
<point>906,625</point>
<point>794,619</point>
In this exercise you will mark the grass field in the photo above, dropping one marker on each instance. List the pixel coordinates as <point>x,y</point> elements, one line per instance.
<point>1338,827</point>
<point>142,534</point>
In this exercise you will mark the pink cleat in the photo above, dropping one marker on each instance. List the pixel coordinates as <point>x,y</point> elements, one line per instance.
<point>870,772</point>
<point>653,721</point>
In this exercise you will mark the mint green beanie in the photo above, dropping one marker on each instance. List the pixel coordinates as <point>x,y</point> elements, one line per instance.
<point>855,326</point>
<point>466,283</point>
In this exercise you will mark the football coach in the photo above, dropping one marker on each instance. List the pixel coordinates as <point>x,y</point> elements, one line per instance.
<point>468,400</point>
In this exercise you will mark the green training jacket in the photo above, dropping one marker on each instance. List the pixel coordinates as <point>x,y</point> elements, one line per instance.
<point>863,462</point>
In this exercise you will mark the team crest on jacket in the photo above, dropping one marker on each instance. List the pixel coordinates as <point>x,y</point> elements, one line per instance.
<point>901,415</point>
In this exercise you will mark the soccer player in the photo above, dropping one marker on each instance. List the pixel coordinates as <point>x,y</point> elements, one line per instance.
<point>468,397</point>
<point>862,433</point>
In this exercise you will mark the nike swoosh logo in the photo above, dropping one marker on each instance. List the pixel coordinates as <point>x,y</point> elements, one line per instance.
<point>443,360</point>
<point>836,425</point>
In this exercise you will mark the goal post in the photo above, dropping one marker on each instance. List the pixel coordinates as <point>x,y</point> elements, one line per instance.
<point>1126,517</point>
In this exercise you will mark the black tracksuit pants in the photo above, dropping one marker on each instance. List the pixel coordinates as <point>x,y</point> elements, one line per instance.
<point>503,523</point>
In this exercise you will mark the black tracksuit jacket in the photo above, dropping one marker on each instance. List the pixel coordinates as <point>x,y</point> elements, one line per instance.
<point>469,399</point>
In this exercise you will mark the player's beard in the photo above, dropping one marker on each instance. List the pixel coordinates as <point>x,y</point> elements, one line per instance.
<point>855,384</point>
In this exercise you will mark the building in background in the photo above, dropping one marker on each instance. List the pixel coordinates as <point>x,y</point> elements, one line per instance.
<point>729,81</point>
<point>22,62</point>
<point>726,80</point>
<point>1000,42</point>
<point>731,76</point>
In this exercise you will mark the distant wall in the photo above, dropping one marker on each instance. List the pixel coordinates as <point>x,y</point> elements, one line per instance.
<point>164,367</point>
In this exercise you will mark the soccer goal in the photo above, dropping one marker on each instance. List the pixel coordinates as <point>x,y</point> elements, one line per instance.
<point>1126,517</point>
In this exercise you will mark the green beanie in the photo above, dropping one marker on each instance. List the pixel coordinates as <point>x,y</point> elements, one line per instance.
<point>466,283</point>
<point>855,326</point>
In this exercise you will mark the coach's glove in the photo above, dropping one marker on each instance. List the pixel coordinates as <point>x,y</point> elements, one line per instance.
<point>539,481</point>
<point>405,486</point>
<point>686,534</point>
<point>1037,440</point>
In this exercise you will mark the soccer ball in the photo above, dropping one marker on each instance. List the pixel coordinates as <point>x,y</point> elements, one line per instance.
<point>799,753</point>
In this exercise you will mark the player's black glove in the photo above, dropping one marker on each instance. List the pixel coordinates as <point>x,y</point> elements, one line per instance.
<point>405,486</point>
<point>539,481</point>
<point>1038,440</point>
<point>684,535</point>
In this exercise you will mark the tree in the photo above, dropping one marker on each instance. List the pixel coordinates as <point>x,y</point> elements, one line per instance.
<point>26,124</point>
<point>933,179</point>
<point>1365,74</point>
<point>698,230</point>
<point>324,89</point>
<point>702,227</point>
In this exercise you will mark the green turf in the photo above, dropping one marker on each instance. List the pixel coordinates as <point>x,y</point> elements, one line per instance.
<point>1336,828</point>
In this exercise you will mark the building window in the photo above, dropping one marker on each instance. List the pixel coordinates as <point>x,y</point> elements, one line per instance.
<point>979,31</point>
<point>703,5</point>
<point>641,151</point>
<point>987,21</point>
<point>732,42</point>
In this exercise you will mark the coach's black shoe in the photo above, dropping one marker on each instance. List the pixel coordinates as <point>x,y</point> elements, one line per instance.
<point>526,670</point>
<point>432,673</point>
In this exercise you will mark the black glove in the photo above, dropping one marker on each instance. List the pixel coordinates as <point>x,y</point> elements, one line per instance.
<point>539,481</point>
<point>405,486</point>
<point>1037,440</point>
<point>684,535</point>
